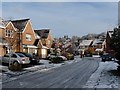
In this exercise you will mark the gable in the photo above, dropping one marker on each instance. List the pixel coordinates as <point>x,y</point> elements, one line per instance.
<point>28,31</point>
<point>20,24</point>
<point>49,37</point>
<point>10,26</point>
<point>43,33</point>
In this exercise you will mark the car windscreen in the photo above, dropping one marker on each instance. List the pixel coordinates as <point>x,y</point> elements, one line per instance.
<point>28,55</point>
<point>21,55</point>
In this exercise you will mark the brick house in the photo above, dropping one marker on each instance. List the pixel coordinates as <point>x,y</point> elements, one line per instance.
<point>108,41</point>
<point>21,36</point>
<point>44,43</point>
<point>45,37</point>
<point>85,44</point>
<point>3,43</point>
<point>99,45</point>
<point>10,36</point>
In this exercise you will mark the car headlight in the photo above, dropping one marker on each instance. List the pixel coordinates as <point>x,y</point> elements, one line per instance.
<point>33,59</point>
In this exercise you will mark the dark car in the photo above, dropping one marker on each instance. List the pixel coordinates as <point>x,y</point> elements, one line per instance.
<point>106,57</point>
<point>33,59</point>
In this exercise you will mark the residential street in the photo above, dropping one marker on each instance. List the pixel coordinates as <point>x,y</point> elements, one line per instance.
<point>73,75</point>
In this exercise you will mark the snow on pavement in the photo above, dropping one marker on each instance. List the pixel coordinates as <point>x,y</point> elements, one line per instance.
<point>102,77</point>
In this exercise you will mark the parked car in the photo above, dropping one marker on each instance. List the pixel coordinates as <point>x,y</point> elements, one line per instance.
<point>50,56</point>
<point>16,59</point>
<point>33,59</point>
<point>63,58</point>
<point>69,56</point>
<point>106,57</point>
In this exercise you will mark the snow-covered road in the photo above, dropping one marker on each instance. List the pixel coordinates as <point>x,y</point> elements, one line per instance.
<point>43,66</point>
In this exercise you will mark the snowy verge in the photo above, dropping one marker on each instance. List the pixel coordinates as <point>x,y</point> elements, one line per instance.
<point>102,77</point>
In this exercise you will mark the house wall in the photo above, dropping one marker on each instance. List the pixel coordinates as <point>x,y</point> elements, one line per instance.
<point>2,32</point>
<point>12,41</point>
<point>28,30</point>
<point>39,53</point>
<point>49,41</point>
<point>44,41</point>
<point>99,46</point>
<point>108,43</point>
<point>2,50</point>
<point>104,46</point>
<point>42,53</point>
<point>2,35</point>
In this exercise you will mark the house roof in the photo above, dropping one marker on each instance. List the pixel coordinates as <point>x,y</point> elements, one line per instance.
<point>86,42</point>
<point>1,26</point>
<point>1,23</point>
<point>37,36</point>
<point>98,41</point>
<point>43,33</point>
<point>66,45</point>
<point>36,42</point>
<point>110,33</point>
<point>19,24</point>
<point>6,22</point>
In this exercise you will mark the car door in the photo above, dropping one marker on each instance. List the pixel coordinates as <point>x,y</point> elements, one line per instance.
<point>6,58</point>
<point>13,57</point>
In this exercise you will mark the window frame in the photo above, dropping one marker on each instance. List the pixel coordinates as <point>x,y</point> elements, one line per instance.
<point>9,33</point>
<point>28,37</point>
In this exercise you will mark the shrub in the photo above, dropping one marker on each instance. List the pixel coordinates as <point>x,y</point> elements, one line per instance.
<point>56,60</point>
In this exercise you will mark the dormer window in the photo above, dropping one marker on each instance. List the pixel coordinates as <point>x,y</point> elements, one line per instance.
<point>9,33</point>
<point>28,37</point>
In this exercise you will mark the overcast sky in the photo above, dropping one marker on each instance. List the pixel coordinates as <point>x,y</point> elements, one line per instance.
<point>65,18</point>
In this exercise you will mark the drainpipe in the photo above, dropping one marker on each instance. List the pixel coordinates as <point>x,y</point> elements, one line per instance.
<point>20,36</point>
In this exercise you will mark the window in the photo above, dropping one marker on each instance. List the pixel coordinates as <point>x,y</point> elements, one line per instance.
<point>13,56</point>
<point>28,37</point>
<point>49,42</point>
<point>9,33</point>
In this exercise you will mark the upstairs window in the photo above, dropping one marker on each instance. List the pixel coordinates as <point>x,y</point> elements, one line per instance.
<point>9,33</point>
<point>49,42</point>
<point>28,37</point>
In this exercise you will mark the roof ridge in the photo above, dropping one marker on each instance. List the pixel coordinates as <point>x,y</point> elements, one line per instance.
<point>20,20</point>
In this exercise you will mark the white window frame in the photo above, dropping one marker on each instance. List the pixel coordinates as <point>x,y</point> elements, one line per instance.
<point>28,37</point>
<point>9,33</point>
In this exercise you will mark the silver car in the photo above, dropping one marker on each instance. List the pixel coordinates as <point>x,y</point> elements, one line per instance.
<point>16,58</point>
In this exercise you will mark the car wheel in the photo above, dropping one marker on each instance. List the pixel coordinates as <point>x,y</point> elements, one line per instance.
<point>36,62</point>
<point>103,60</point>
<point>16,65</point>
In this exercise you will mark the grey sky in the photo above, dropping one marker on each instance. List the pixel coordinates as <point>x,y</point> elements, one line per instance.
<point>65,18</point>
